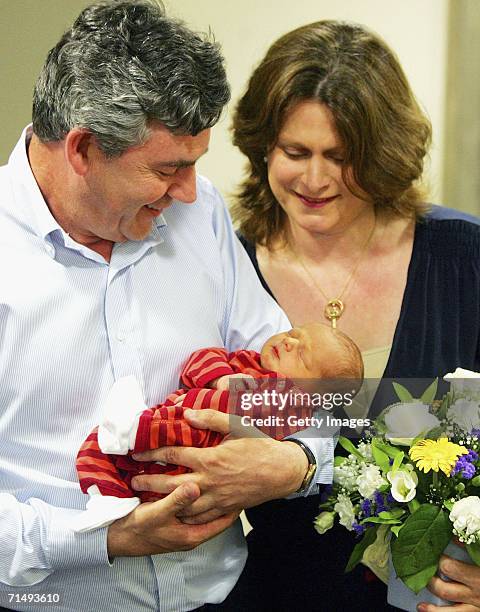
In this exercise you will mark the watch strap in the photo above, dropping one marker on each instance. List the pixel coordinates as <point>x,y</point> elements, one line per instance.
<point>312,465</point>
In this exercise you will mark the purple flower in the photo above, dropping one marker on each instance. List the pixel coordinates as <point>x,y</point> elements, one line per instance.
<point>359,529</point>
<point>366,507</point>
<point>465,466</point>
<point>472,455</point>
<point>379,502</point>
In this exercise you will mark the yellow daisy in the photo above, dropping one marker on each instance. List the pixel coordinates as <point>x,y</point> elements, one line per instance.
<point>436,454</point>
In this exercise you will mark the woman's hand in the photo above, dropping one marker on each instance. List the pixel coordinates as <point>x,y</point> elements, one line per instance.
<point>463,588</point>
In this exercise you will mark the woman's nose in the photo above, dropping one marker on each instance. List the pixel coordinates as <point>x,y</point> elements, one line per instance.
<point>316,177</point>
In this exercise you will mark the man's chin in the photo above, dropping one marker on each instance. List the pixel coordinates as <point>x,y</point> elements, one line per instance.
<point>138,233</point>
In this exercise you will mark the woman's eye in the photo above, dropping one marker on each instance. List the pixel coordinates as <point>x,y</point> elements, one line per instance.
<point>294,154</point>
<point>337,159</point>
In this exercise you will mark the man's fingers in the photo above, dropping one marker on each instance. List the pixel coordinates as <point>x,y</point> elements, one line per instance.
<point>176,455</point>
<point>208,419</point>
<point>212,528</point>
<point>161,483</point>
<point>205,504</point>
<point>226,424</point>
<point>178,500</point>
<point>200,519</point>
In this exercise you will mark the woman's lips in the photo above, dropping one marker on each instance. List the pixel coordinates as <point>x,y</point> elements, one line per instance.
<point>315,202</point>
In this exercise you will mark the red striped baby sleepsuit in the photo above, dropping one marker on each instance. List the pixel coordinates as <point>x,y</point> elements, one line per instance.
<point>164,425</point>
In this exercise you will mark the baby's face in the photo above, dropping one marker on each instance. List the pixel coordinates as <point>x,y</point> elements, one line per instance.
<point>295,353</point>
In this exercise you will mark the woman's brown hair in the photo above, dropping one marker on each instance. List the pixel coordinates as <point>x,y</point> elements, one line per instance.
<point>352,71</point>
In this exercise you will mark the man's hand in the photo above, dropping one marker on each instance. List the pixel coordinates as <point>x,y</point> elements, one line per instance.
<point>153,528</point>
<point>237,474</point>
<point>464,588</point>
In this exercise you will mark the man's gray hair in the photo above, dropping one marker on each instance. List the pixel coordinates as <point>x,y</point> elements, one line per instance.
<point>124,64</point>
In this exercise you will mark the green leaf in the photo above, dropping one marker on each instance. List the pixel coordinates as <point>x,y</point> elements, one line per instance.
<point>413,505</point>
<point>429,394</point>
<point>339,460</point>
<point>416,582</point>
<point>359,549</point>
<point>394,513</point>
<point>416,551</point>
<point>403,393</point>
<point>448,504</point>
<point>397,462</point>
<point>388,449</point>
<point>433,434</point>
<point>395,529</point>
<point>381,458</point>
<point>350,448</point>
<point>475,481</point>
<point>380,520</point>
<point>474,552</point>
<point>445,405</point>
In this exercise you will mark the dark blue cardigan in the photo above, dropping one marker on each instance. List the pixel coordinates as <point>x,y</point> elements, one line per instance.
<point>291,567</point>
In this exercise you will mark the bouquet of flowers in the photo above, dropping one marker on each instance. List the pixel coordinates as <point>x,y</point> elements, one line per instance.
<point>412,483</point>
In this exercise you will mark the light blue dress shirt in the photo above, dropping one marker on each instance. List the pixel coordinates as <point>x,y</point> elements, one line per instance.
<point>70,325</point>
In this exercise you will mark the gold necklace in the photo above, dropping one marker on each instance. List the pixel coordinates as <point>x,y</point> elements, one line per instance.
<point>334,307</point>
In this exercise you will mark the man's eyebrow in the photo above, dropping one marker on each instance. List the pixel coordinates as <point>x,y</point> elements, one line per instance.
<point>179,163</point>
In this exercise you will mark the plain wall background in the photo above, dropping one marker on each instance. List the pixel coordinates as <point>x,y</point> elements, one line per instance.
<point>416,30</point>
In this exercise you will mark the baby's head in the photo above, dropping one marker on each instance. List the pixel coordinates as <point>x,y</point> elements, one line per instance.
<point>313,351</point>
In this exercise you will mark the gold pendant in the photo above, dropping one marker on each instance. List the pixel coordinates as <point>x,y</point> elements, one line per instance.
<point>333,311</point>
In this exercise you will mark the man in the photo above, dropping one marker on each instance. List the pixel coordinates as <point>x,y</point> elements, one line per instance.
<point>110,272</point>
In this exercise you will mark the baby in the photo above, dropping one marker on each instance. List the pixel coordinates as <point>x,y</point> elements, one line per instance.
<point>298,359</point>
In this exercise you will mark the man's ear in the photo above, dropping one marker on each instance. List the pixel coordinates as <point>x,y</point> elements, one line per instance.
<point>80,148</point>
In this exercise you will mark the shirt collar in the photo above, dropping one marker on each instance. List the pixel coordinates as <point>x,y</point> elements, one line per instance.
<point>28,195</point>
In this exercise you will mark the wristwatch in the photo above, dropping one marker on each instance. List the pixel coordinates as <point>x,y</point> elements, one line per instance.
<point>312,465</point>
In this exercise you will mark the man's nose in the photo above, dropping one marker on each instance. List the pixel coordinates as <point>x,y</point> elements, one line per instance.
<point>184,185</point>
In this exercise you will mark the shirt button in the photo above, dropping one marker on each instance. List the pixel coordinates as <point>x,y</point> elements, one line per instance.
<point>121,335</point>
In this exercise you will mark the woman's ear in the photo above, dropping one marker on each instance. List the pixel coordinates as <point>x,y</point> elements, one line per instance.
<point>80,147</point>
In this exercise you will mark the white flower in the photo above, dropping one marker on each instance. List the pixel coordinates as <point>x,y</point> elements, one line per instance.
<point>464,382</point>
<point>323,522</point>
<point>346,513</point>
<point>404,484</point>
<point>365,449</point>
<point>465,516</point>
<point>369,480</point>
<point>406,421</point>
<point>346,474</point>
<point>466,414</point>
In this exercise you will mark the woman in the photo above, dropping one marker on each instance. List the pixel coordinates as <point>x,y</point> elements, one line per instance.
<point>333,218</point>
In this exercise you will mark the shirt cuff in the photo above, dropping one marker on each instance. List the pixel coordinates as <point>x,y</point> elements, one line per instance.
<point>323,450</point>
<point>69,550</point>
